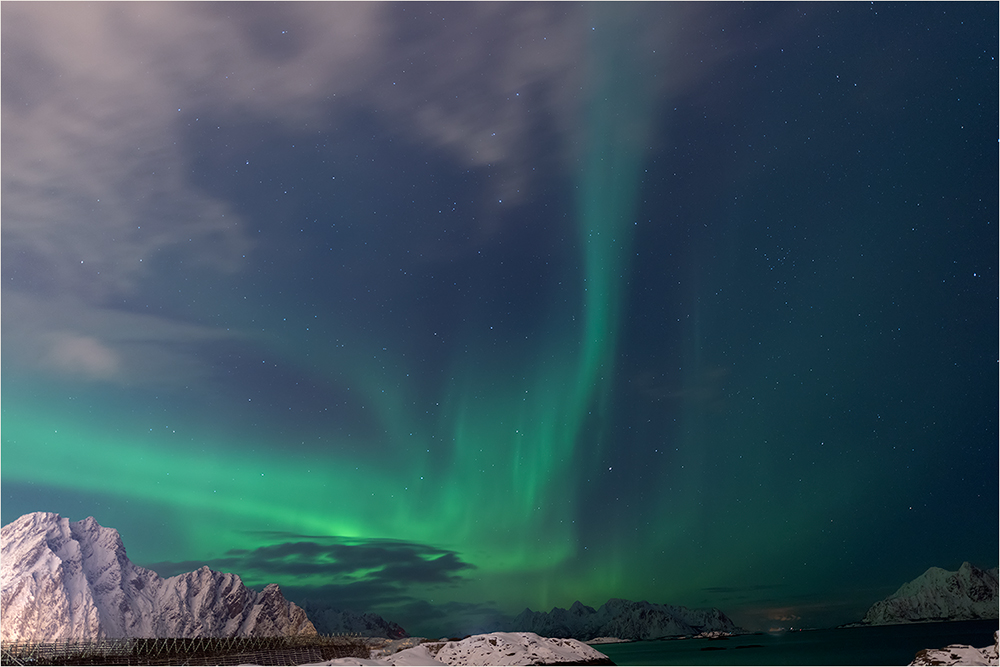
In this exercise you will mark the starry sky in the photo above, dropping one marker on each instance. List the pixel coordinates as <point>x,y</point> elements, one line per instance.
<point>443,311</point>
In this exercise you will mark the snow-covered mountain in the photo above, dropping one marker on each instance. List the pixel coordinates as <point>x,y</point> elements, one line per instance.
<point>624,619</point>
<point>332,621</point>
<point>73,580</point>
<point>940,595</point>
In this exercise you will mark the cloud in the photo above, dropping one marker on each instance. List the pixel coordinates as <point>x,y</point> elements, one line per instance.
<point>379,567</point>
<point>64,337</point>
<point>362,575</point>
<point>97,98</point>
<point>100,100</point>
<point>93,180</point>
<point>783,615</point>
<point>84,355</point>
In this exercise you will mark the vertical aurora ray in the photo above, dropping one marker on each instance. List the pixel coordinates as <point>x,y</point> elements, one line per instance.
<point>617,122</point>
<point>524,442</point>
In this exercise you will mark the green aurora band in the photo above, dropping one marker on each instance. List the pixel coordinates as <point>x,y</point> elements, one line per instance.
<point>492,475</point>
<point>733,346</point>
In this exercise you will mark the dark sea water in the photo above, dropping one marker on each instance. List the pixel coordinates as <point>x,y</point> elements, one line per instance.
<point>884,645</point>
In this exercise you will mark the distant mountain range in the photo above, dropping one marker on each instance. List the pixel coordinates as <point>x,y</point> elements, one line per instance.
<point>64,580</point>
<point>623,619</point>
<point>940,595</point>
<point>332,621</point>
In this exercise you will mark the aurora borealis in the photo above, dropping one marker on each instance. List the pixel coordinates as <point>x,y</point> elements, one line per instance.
<point>444,310</point>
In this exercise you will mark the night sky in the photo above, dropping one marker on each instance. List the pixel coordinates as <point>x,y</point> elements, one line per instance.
<point>443,311</point>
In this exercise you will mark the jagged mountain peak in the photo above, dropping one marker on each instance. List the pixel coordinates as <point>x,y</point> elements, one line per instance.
<point>580,609</point>
<point>73,580</point>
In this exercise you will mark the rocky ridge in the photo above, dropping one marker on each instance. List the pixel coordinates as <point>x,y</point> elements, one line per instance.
<point>623,619</point>
<point>332,621</point>
<point>63,580</point>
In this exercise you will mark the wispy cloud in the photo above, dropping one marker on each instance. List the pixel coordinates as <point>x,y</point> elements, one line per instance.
<point>386,565</point>
<point>68,338</point>
<point>98,99</point>
<point>377,575</point>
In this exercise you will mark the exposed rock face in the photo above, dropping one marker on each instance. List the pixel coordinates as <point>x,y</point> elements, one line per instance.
<point>331,621</point>
<point>73,580</point>
<point>940,595</point>
<point>624,619</point>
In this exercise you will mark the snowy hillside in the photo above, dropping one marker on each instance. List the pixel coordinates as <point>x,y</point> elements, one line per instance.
<point>959,654</point>
<point>497,648</point>
<point>73,580</point>
<point>940,595</point>
<point>624,619</point>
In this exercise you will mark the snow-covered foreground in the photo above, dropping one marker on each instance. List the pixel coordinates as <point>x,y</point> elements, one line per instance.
<point>496,648</point>
<point>959,654</point>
